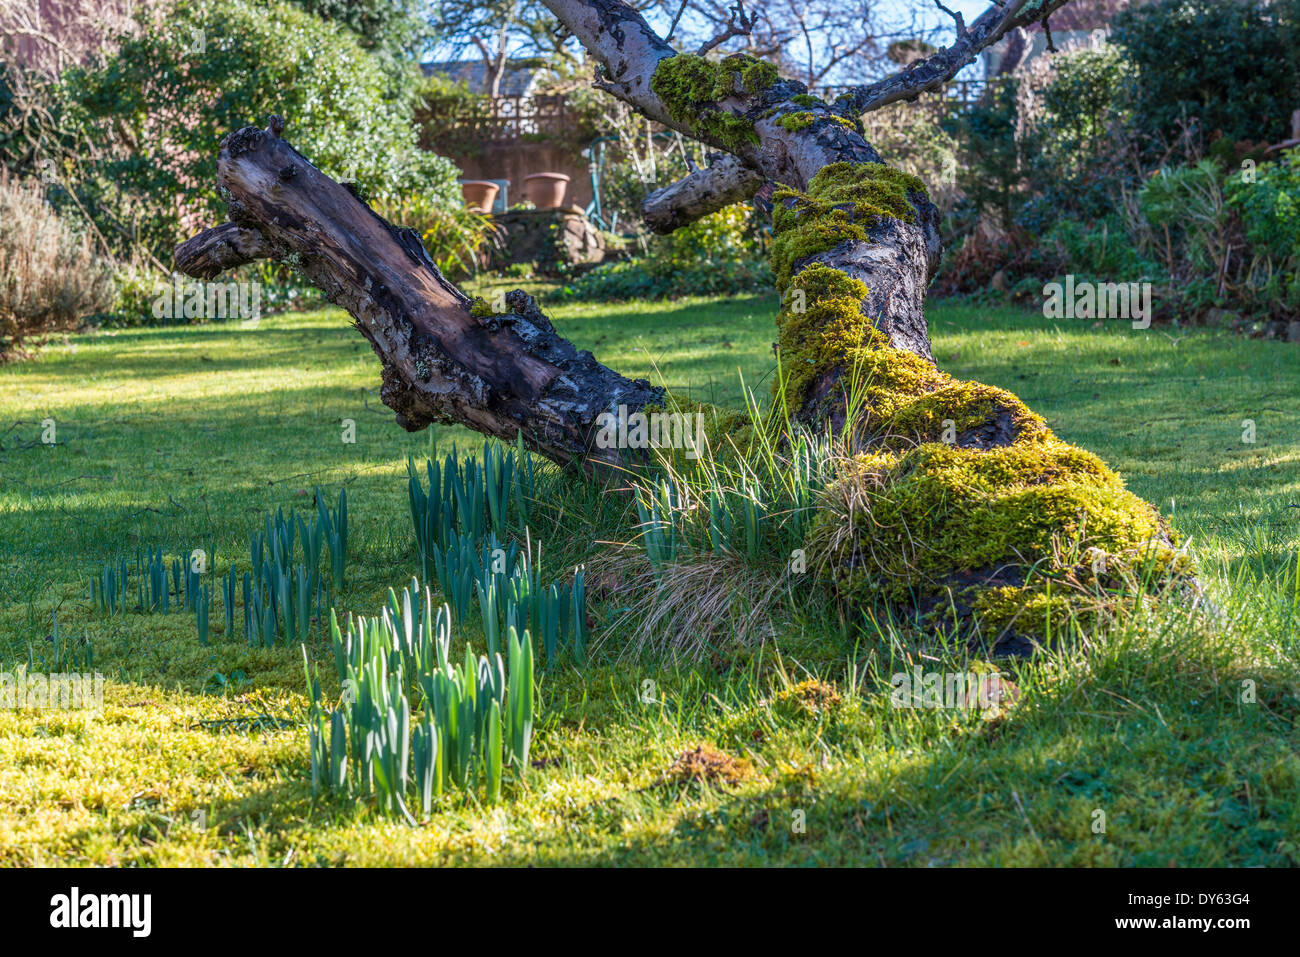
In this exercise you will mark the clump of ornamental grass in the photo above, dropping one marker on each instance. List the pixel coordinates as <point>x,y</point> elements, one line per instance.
<point>720,537</point>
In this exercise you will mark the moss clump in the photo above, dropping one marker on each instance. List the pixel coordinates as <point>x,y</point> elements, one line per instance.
<point>796,122</point>
<point>692,87</point>
<point>921,520</point>
<point>1084,587</point>
<point>811,698</point>
<point>480,308</point>
<point>704,765</point>
<point>964,406</point>
<point>842,201</point>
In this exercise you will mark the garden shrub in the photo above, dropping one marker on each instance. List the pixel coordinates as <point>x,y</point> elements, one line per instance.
<point>1269,209</point>
<point>50,276</point>
<point>1102,248</point>
<point>1230,66</point>
<point>159,107</point>
<point>459,241</point>
<point>632,279</point>
<point>715,255</point>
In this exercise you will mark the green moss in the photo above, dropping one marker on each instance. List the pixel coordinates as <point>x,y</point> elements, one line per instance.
<point>480,308</point>
<point>1028,609</point>
<point>965,405</point>
<point>817,235</point>
<point>960,483</point>
<point>796,122</point>
<point>692,87</point>
<point>842,201</point>
<point>922,510</point>
<point>806,101</point>
<point>755,75</point>
<point>937,512</point>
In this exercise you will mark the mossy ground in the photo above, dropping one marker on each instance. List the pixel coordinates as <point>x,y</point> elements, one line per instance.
<point>190,435</point>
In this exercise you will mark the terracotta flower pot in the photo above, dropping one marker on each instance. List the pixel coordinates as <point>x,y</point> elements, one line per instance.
<point>479,194</point>
<point>546,190</point>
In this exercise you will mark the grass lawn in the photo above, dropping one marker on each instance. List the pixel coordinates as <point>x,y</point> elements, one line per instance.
<point>1171,742</point>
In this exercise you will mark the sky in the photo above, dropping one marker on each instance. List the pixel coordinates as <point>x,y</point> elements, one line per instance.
<point>926,13</point>
<point>899,11</point>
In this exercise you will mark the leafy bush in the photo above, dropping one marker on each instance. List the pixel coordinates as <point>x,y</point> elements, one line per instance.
<point>718,237</point>
<point>460,241</point>
<point>1269,209</point>
<point>1270,206</point>
<point>635,279</point>
<point>1102,248</point>
<point>713,256</point>
<point>158,108</point>
<point>1189,201</point>
<point>50,276</point>
<point>137,286</point>
<point>394,27</point>
<point>1082,102</point>
<point>1229,65</point>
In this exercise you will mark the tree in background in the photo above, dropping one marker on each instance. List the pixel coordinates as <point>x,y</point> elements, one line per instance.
<point>819,42</point>
<point>497,31</point>
<point>145,120</point>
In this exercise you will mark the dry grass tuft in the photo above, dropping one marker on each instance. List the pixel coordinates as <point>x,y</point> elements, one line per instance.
<point>687,609</point>
<point>704,765</point>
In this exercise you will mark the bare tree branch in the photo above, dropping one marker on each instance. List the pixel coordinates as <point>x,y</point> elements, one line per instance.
<point>739,25</point>
<point>936,70</point>
<point>703,192</point>
<point>673,28</point>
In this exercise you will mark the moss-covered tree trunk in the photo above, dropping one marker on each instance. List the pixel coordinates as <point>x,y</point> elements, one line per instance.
<point>958,498</point>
